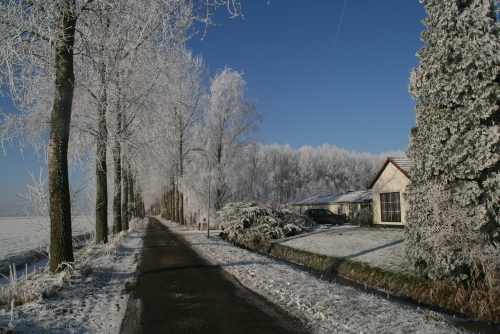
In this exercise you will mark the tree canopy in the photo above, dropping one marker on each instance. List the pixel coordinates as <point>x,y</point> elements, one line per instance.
<point>453,223</point>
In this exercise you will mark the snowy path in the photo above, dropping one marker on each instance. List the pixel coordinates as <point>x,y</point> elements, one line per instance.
<point>325,307</point>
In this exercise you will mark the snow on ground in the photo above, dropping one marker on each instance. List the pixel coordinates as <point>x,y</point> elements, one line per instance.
<point>92,302</point>
<point>325,307</point>
<point>21,234</point>
<point>96,303</point>
<point>383,248</point>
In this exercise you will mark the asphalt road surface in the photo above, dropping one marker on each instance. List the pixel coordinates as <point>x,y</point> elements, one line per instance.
<point>177,291</point>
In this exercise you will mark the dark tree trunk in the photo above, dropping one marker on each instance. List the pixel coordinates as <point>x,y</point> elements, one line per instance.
<point>180,195</point>
<point>176,204</point>
<point>61,246</point>
<point>117,194</point>
<point>163,205</point>
<point>101,206</point>
<point>220,188</point>
<point>139,212</point>
<point>131,196</point>
<point>117,163</point>
<point>172,202</point>
<point>168,205</point>
<point>181,209</point>
<point>125,195</point>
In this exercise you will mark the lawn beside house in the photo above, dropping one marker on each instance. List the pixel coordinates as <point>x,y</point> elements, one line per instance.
<point>383,248</point>
<point>375,258</point>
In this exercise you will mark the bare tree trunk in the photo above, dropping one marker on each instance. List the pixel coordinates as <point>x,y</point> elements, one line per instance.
<point>220,187</point>
<point>61,246</point>
<point>101,206</point>
<point>117,194</point>
<point>172,202</point>
<point>131,197</point>
<point>139,205</point>
<point>180,195</point>
<point>117,162</point>
<point>181,209</point>
<point>163,206</point>
<point>170,205</point>
<point>167,205</point>
<point>143,208</point>
<point>176,203</point>
<point>125,195</point>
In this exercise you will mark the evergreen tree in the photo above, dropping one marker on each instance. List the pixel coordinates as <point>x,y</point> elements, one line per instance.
<point>453,224</point>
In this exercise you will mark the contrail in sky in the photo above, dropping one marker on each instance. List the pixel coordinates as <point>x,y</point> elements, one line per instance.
<point>338,28</point>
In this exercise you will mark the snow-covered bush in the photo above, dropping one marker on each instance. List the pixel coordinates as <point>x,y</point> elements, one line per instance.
<point>452,248</point>
<point>364,216</point>
<point>250,224</point>
<point>453,229</point>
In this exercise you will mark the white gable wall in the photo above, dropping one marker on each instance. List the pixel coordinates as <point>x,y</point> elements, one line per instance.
<point>391,180</point>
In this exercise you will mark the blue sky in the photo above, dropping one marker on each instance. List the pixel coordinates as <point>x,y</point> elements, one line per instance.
<point>350,91</point>
<point>353,94</point>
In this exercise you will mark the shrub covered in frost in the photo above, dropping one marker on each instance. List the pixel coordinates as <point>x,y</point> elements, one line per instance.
<point>250,224</point>
<point>453,229</point>
<point>364,216</point>
<point>452,248</point>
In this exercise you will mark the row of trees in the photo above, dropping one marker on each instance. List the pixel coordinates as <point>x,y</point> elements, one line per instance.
<point>90,66</point>
<point>191,129</point>
<point>265,173</point>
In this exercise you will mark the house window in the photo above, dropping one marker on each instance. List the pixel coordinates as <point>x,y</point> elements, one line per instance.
<point>391,207</point>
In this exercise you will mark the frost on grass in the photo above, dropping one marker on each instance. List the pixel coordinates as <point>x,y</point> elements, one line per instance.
<point>250,224</point>
<point>322,306</point>
<point>25,240</point>
<point>86,297</point>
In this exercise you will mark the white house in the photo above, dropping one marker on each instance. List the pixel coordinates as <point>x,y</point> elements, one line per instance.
<point>388,186</point>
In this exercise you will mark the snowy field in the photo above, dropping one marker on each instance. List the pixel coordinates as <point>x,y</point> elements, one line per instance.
<point>21,234</point>
<point>90,303</point>
<point>383,248</point>
<point>96,303</point>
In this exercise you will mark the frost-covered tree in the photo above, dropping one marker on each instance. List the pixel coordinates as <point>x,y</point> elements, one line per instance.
<point>38,39</point>
<point>283,173</point>
<point>230,118</point>
<point>117,34</point>
<point>453,224</point>
<point>179,99</point>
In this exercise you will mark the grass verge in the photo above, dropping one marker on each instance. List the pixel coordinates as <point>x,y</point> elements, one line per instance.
<point>476,301</point>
